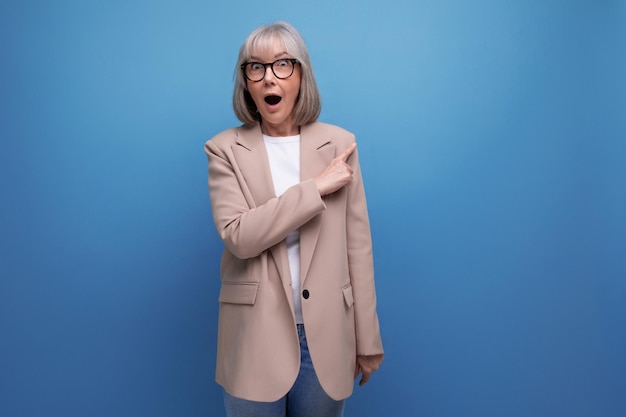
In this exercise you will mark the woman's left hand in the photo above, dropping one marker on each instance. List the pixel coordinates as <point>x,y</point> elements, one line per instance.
<point>366,365</point>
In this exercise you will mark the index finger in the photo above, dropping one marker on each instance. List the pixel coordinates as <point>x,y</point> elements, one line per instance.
<point>345,154</point>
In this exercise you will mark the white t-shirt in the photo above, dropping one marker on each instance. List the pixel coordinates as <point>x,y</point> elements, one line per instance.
<point>284,158</point>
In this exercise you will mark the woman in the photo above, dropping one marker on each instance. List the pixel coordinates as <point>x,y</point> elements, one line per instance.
<point>297,318</point>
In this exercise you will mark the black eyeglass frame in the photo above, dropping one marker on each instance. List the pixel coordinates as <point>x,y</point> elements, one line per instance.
<point>293,61</point>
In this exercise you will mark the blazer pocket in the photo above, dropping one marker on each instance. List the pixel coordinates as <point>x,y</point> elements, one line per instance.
<point>347,296</point>
<point>238,292</point>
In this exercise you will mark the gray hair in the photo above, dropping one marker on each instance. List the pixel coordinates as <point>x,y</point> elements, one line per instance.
<point>308,105</point>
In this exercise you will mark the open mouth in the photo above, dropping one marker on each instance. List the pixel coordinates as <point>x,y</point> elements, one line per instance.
<point>272,100</point>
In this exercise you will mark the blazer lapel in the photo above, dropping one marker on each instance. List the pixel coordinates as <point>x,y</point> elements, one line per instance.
<point>316,152</point>
<point>253,163</point>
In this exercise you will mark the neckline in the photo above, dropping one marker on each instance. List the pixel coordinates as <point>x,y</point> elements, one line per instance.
<point>281,139</point>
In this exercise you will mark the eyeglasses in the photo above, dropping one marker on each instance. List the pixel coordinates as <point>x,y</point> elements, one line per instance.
<point>282,68</point>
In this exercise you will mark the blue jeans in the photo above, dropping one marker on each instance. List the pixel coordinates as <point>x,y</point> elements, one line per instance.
<point>305,399</point>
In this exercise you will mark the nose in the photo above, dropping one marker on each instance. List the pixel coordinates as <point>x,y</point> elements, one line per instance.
<point>269,74</point>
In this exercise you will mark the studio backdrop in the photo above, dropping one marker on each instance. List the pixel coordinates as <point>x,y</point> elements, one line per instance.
<point>492,142</point>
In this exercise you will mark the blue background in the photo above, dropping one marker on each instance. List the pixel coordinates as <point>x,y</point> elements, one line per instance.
<point>492,142</point>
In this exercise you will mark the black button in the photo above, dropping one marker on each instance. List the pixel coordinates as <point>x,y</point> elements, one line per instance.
<point>305,294</point>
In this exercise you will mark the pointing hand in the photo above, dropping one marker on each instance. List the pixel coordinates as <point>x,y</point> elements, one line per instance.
<point>337,174</point>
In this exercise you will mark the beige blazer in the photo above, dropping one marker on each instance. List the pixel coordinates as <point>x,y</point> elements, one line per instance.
<point>258,355</point>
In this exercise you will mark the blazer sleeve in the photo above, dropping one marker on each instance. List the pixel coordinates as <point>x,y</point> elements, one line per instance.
<point>247,227</point>
<point>361,266</point>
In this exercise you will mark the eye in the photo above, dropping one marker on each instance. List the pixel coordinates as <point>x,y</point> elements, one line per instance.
<point>255,66</point>
<point>283,63</point>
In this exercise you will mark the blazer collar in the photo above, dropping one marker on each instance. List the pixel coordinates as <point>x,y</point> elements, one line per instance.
<point>250,137</point>
<point>311,135</point>
<point>316,152</point>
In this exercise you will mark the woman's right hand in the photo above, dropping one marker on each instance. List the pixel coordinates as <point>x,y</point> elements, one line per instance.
<point>337,174</point>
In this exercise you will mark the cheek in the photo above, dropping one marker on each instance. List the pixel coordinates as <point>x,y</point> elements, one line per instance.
<point>295,90</point>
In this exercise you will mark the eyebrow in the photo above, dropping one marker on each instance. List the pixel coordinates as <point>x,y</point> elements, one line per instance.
<point>278,55</point>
